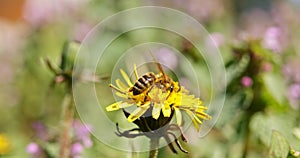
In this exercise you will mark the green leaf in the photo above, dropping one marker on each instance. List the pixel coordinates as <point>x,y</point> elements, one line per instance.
<point>279,147</point>
<point>260,127</point>
<point>236,69</point>
<point>275,86</point>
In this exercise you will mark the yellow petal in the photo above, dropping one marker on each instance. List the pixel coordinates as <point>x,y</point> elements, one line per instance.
<point>178,116</point>
<point>121,85</point>
<point>113,107</point>
<point>197,119</point>
<point>202,115</point>
<point>189,100</point>
<point>121,95</point>
<point>194,119</point>
<point>166,110</point>
<point>118,105</point>
<point>156,111</point>
<point>138,112</point>
<point>135,72</point>
<point>200,112</point>
<point>126,78</point>
<point>193,116</point>
<point>199,102</point>
<point>201,108</point>
<point>125,105</point>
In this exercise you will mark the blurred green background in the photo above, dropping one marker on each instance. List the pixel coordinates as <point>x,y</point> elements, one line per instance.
<point>259,41</point>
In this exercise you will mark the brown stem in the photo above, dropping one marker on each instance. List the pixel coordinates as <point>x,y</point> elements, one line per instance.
<point>67,116</point>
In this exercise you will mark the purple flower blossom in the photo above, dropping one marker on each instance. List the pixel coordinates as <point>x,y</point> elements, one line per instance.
<point>246,81</point>
<point>292,75</point>
<point>291,70</point>
<point>214,40</point>
<point>76,149</point>
<point>294,91</point>
<point>37,12</point>
<point>218,39</point>
<point>294,95</point>
<point>41,131</point>
<point>40,12</point>
<point>82,133</point>
<point>34,149</point>
<point>272,39</point>
<point>204,10</point>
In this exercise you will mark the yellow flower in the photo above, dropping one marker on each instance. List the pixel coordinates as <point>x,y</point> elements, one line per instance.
<point>159,100</point>
<point>5,145</point>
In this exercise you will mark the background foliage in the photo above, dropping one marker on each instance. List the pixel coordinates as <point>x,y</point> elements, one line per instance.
<point>259,42</point>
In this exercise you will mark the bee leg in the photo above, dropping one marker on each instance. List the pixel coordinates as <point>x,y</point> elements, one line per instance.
<point>127,133</point>
<point>171,90</point>
<point>179,88</point>
<point>178,143</point>
<point>170,144</point>
<point>178,128</point>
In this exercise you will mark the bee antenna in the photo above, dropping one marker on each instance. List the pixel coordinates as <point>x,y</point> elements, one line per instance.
<point>157,63</point>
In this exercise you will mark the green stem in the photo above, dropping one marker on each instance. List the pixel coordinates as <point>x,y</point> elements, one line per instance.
<point>246,136</point>
<point>67,118</point>
<point>154,142</point>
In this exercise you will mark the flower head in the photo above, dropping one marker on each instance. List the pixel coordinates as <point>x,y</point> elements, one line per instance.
<point>34,149</point>
<point>246,81</point>
<point>76,149</point>
<point>272,39</point>
<point>157,98</point>
<point>41,130</point>
<point>161,99</point>
<point>5,145</point>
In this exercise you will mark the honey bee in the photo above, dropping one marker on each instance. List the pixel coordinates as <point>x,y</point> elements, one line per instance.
<point>157,85</point>
<point>157,98</point>
<point>149,80</point>
<point>146,82</point>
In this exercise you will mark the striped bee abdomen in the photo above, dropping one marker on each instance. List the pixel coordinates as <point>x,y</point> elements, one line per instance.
<point>143,83</point>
